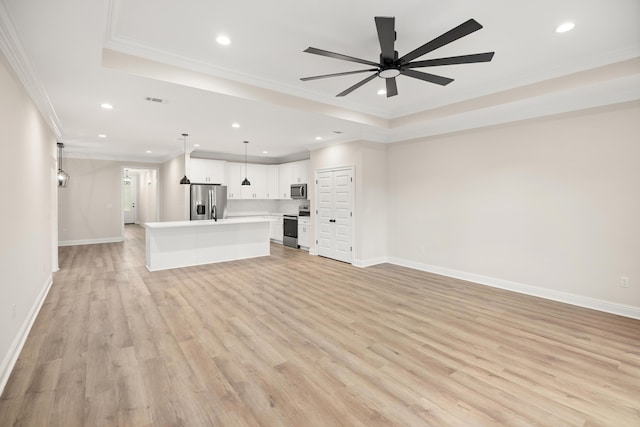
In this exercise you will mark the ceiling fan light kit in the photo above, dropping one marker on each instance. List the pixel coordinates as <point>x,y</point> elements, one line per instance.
<point>391,66</point>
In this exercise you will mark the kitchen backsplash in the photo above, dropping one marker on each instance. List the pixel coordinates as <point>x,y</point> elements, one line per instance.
<point>260,207</point>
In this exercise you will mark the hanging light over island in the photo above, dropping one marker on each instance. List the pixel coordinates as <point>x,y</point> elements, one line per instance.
<point>184,179</point>
<point>246,181</point>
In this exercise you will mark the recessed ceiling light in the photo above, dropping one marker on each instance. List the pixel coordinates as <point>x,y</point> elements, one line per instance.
<point>102,135</point>
<point>148,151</point>
<point>107,106</point>
<point>382,92</point>
<point>318,138</point>
<point>563,28</point>
<point>265,152</point>
<point>196,145</point>
<point>223,40</point>
<point>235,125</point>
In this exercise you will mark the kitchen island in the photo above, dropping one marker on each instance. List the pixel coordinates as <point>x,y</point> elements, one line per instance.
<point>178,244</point>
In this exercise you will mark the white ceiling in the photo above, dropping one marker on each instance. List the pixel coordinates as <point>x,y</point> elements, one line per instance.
<point>78,54</point>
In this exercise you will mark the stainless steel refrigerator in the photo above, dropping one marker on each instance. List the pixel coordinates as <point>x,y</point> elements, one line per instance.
<point>208,201</point>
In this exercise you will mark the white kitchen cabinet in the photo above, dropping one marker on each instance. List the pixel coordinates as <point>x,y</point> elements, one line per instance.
<point>273,178</point>
<point>276,228</point>
<point>206,171</point>
<point>267,181</point>
<point>292,173</point>
<point>303,232</point>
<point>234,176</point>
<point>300,172</point>
<point>257,176</point>
<point>285,172</point>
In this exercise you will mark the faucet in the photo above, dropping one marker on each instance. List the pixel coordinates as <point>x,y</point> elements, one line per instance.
<point>214,213</point>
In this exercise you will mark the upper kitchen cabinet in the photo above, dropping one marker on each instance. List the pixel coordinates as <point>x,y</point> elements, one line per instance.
<point>207,171</point>
<point>257,176</point>
<point>235,175</point>
<point>300,172</point>
<point>292,173</point>
<point>273,178</point>
<point>285,175</point>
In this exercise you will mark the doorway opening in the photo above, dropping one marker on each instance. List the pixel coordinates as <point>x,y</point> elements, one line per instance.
<point>140,196</point>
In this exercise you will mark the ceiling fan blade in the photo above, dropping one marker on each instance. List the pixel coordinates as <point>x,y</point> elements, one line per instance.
<point>357,85</point>
<point>464,59</point>
<point>392,88</point>
<point>334,55</point>
<point>386,36</point>
<point>452,35</point>
<point>346,73</point>
<point>431,78</point>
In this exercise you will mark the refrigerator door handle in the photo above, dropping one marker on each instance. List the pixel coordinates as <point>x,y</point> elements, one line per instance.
<point>210,204</point>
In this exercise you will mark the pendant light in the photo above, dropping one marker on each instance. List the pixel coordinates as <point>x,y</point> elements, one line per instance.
<point>63,177</point>
<point>246,181</point>
<point>184,179</point>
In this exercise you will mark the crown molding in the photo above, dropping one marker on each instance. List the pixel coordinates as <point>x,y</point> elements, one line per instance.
<point>18,59</point>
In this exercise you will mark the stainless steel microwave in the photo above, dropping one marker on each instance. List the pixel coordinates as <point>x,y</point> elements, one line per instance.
<point>298,191</point>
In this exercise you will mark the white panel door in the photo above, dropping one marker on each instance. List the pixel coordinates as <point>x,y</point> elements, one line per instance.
<point>334,216</point>
<point>342,205</point>
<point>325,245</point>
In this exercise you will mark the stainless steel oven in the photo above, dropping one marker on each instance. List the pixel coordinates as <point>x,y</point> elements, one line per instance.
<point>290,230</point>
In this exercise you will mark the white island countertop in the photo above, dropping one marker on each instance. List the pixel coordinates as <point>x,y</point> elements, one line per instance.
<point>175,244</point>
<point>204,223</point>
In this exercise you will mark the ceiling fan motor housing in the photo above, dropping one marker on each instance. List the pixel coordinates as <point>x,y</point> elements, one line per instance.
<point>389,68</point>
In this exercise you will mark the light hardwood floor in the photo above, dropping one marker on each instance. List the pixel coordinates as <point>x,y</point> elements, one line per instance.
<point>297,340</point>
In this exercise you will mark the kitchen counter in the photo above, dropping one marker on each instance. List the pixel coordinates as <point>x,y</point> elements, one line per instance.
<point>176,244</point>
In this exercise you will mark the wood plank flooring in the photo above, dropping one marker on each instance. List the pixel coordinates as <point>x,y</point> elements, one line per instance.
<point>297,340</point>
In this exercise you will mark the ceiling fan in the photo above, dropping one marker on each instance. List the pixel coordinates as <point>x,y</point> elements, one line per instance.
<point>390,66</point>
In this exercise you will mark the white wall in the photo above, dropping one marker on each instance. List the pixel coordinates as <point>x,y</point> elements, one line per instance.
<point>90,208</point>
<point>174,204</point>
<point>27,169</point>
<point>147,196</point>
<point>551,204</point>
<point>370,216</point>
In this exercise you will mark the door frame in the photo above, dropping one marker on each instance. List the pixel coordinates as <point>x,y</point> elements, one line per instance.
<point>133,183</point>
<point>316,224</point>
<point>120,186</point>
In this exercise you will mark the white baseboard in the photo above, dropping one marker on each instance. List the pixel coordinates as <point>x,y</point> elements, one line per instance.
<point>363,263</point>
<point>312,251</point>
<point>565,297</point>
<point>11,357</point>
<point>90,241</point>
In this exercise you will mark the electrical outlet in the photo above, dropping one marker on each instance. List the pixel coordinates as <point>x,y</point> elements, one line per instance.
<point>624,282</point>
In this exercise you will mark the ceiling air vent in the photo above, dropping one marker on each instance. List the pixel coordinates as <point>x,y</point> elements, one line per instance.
<point>152,99</point>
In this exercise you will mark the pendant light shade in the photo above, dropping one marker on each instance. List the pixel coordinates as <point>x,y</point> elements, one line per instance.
<point>184,179</point>
<point>245,181</point>
<point>63,177</point>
